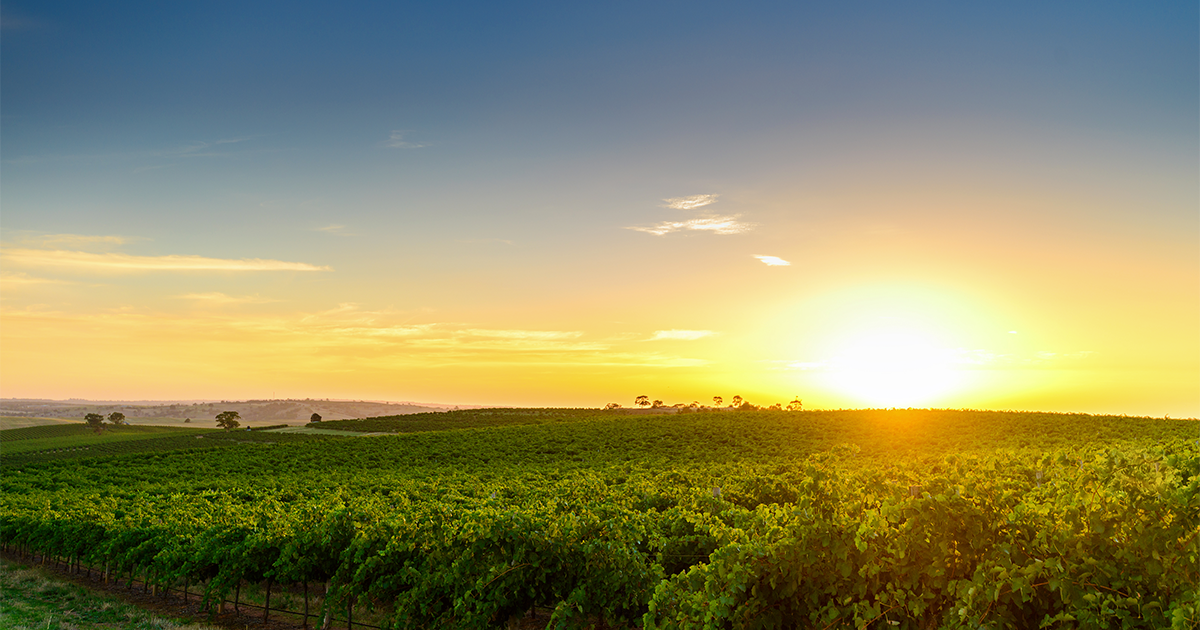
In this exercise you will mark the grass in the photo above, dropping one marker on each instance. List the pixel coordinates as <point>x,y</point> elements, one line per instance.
<point>18,422</point>
<point>30,600</point>
<point>67,436</point>
<point>36,445</point>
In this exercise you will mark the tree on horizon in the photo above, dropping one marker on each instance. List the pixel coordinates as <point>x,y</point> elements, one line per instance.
<point>228,420</point>
<point>95,421</point>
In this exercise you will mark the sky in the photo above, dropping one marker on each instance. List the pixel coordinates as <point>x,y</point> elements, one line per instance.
<point>865,204</point>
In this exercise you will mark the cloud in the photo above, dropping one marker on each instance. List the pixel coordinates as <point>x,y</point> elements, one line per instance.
<point>714,224</point>
<point>128,262</point>
<point>690,203</point>
<point>221,298</point>
<point>523,334</point>
<point>342,340</point>
<point>483,240</point>
<point>396,141</point>
<point>198,148</point>
<point>685,335</point>
<point>143,169</point>
<point>76,240</point>
<point>332,229</point>
<point>773,261</point>
<point>24,279</point>
<point>10,22</point>
<point>957,358</point>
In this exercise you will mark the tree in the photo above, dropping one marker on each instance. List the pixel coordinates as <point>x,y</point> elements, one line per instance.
<point>642,401</point>
<point>116,418</point>
<point>656,404</point>
<point>776,407</point>
<point>737,401</point>
<point>95,421</point>
<point>228,420</point>
<point>795,405</point>
<point>187,420</point>
<point>316,417</point>
<point>717,400</point>
<point>611,406</point>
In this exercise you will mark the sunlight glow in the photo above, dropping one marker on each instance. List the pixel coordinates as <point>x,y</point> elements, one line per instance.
<point>894,369</point>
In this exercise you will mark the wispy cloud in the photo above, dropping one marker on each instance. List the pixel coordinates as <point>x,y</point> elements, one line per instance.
<point>957,358</point>
<point>10,22</point>
<point>772,261</point>
<point>689,203</point>
<point>684,335</point>
<point>345,339</point>
<point>715,224</point>
<point>199,148</point>
<point>222,299</point>
<point>21,279</point>
<point>396,141</point>
<point>128,262</point>
<point>143,169</point>
<point>706,222</point>
<point>483,240</point>
<point>75,240</point>
<point>335,228</point>
<point>523,334</point>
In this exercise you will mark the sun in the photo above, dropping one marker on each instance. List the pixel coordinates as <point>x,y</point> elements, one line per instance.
<point>894,368</point>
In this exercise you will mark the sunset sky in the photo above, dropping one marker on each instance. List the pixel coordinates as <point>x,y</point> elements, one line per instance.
<point>862,204</point>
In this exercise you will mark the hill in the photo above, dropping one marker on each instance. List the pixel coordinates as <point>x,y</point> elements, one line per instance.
<point>253,412</point>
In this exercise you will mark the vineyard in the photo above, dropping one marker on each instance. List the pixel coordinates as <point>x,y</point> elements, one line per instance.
<point>907,519</point>
<point>33,445</point>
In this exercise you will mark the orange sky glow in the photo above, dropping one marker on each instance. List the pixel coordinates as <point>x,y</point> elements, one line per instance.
<point>968,212</point>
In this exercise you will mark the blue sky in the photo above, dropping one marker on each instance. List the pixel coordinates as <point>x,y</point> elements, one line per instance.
<point>484,164</point>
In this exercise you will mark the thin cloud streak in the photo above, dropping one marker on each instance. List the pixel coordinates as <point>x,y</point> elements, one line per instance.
<point>76,240</point>
<point>24,279</point>
<point>690,203</point>
<point>221,298</point>
<point>684,335</point>
<point>128,262</point>
<point>342,339</point>
<point>396,141</point>
<point>715,224</point>
<point>957,358</point>
<point>773,261</point>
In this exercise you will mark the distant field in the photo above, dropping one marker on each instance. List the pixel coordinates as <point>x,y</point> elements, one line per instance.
<point>78,435</point>
<point>18,422</point>
<point>465,419</point>
<point>55,442</point>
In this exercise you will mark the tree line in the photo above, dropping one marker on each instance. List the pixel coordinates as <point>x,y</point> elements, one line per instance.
<point>737,402</point>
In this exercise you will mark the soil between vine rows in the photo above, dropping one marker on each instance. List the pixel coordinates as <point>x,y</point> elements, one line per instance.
<point>172,604</point>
